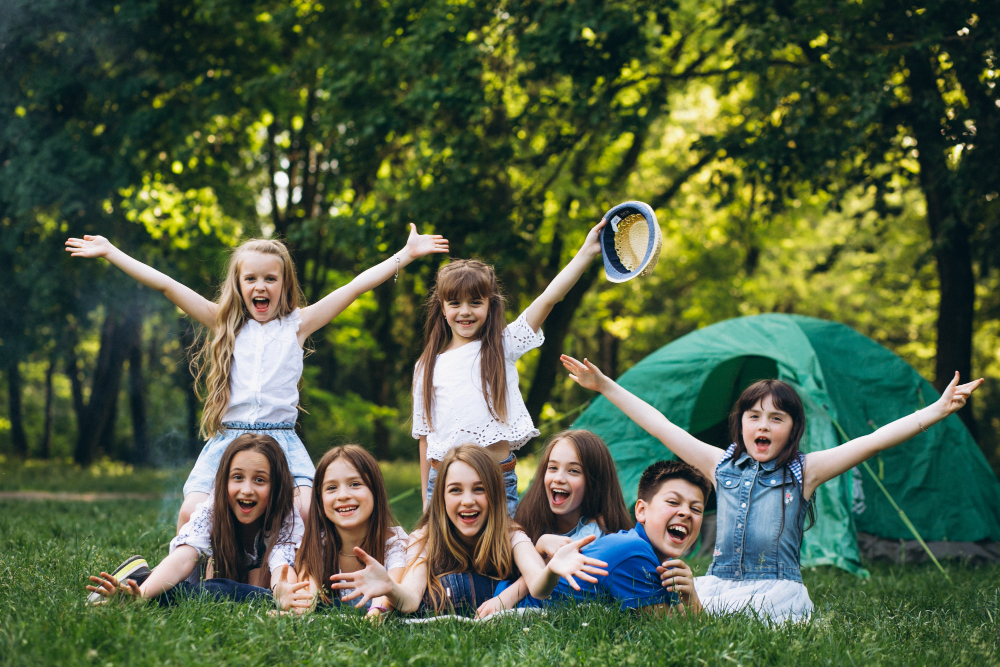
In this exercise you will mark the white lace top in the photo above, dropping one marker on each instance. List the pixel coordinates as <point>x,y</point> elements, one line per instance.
<point>198,530</point>
<point>460,411</point>
<point>264,378</point>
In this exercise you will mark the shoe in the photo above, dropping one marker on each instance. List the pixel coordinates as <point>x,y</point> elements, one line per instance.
<point>135,568</point>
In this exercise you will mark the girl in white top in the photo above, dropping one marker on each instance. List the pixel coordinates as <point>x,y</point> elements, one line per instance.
<point>252,362</point>
<point>465,385</point>
<point>465,545</point>
<point>352,510</point>
<point>249,522</point>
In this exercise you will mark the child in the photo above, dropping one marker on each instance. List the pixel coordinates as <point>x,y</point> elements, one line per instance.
<point>465,385</point>
<point>352,510</point>
<point>253,360</point>
<point>764,484</point>
<point>575,493</point>
<point>464,545</point>
<point>250,520</point>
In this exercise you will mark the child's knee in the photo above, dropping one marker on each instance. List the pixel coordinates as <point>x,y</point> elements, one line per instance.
<point>303,500</point>
<point>191,501</point>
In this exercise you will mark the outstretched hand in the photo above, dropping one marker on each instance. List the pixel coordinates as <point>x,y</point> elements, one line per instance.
<point>292,596</point>
<point>371,582</point>
<point>591,247</point>
<point>568,563</point>
<point>425,244</point>
<point>585,374</point>
<point>107,586</point>
<point>89,246</point>
<point>954,396</point>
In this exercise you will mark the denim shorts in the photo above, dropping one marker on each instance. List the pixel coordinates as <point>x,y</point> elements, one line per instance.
<point>465,592</point>
<point>202,477</point>
<point>509,485</point>
<point>215,589</point>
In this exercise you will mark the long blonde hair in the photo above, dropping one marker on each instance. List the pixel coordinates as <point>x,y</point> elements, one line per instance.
<point>467,278</point>
<point>214,359</point>
<point>492,554</point>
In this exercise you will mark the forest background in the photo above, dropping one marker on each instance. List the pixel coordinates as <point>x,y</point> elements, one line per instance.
<point>825,159</point>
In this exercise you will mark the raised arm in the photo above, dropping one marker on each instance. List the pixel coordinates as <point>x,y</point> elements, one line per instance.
<point>563,283</point>
<point>827,464</point>
<point>185,298</point>
<point>323,311</point>
<point>685,446</point>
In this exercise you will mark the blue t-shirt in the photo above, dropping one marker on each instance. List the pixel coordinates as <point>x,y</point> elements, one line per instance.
<point>632,581</point>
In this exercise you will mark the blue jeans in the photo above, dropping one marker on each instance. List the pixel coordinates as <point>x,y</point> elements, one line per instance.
<point>509,485</point>
<point>465,591</point>
<point>217,589</point>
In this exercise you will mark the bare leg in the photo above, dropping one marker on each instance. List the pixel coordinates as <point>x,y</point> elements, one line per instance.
<point>303,499</point>
<point>187,507</point>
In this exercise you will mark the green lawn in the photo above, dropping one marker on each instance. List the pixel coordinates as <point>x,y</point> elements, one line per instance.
<point>902,615</point>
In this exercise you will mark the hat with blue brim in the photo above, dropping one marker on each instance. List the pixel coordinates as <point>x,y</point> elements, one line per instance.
<point>630,242</point>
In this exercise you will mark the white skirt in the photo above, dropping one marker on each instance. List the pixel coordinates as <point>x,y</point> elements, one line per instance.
<point>774,600</point>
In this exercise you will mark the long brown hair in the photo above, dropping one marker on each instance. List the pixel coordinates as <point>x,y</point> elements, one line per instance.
<point>321,544</point>
<point>467,279</point>
<point>228,554</point>
<point>447,551</point>
<point>602,494</point>
<point>214,358</point>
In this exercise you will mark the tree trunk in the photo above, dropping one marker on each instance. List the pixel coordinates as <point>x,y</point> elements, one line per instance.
<point>17,436</point>
<point>137,402</point>
<point>45,448</point>
<point>382,367</point>
<point>609,354</point>
<point>556,327</point>
<point>188,339</point>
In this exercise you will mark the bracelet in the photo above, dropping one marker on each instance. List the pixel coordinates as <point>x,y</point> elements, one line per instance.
<point>380,608</point>
<point>397,268</point>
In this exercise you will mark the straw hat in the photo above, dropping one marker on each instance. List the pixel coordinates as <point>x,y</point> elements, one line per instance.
<point>630,242</point>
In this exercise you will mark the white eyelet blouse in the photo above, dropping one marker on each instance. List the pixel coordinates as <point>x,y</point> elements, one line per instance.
<point>461,414</point>
<point>264,378</point>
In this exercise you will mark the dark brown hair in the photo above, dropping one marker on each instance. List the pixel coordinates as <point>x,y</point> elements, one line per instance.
<point>602,494</point>
<point>228,554</point>
<point>320,561</point>
<point>467,279</point>
<point>660,472</point>
<point>447,550</point>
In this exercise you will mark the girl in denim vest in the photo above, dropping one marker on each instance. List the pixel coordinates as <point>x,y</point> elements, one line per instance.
<point>764,485</point>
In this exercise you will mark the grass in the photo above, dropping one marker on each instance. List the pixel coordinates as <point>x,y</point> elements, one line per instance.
<point>902,615</point>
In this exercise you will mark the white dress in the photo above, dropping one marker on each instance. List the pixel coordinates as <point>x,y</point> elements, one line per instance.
<point>461,414</point>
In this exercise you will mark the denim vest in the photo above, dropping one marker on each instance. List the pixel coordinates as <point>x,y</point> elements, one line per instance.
<point>751,496</point>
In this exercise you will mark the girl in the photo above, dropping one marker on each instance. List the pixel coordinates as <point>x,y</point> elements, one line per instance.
<point>465,385</point>
<point>252,361</point>
<point>250,520</point>
<point>465,544</point>
<point>576,493</point>
<point>764,485</point>
<point>352,511</point>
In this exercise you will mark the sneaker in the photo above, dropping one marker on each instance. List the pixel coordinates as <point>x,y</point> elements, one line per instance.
<point>135,568</point>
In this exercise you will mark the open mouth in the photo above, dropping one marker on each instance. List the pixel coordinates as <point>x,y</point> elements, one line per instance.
<point>558,496</point>
<point>762,443</point>
<point>346,511</point>
<point>246,506</point>
<point>677,533</point>
<point>465,323</point>
<point>261,304</point>
<point>468,516</point>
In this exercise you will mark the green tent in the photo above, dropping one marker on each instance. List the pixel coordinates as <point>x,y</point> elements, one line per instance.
<point>939,478</point>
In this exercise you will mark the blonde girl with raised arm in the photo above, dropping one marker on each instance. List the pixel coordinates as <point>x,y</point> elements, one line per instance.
<point>252,359</point>
<point>764,484</point>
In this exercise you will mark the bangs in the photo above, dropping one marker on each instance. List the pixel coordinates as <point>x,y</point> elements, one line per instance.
<point>463,283</point>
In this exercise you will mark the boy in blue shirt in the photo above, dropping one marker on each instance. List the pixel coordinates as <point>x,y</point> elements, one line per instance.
<point>644,566</point>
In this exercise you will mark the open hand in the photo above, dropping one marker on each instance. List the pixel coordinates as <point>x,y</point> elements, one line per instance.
<point>568,563</point>
<point>89,246</point>
<point>291,596</point>
<point>371,582</point>
<point>585,374</point>
<point>591,247</point>
<point>425,244</point>
<point>955,396</point>
<point>108,587</point>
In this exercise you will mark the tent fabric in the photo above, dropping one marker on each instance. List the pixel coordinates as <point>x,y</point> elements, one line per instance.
<point>939,478</point>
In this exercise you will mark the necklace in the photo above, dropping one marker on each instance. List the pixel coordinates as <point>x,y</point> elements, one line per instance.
<point>349,555</point>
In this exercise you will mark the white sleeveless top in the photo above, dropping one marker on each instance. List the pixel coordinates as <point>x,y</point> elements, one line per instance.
<point>460,411</point>
<point>264,377</point>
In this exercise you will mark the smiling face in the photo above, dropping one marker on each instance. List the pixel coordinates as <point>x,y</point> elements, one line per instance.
<point>465,500</point>
<point>261,284</point>
<point>249,486</point>
<point>465,317</point>
<point>347,500</point>
<point>765,430</point>
<point>564,484</point>
<point>672,517</point>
